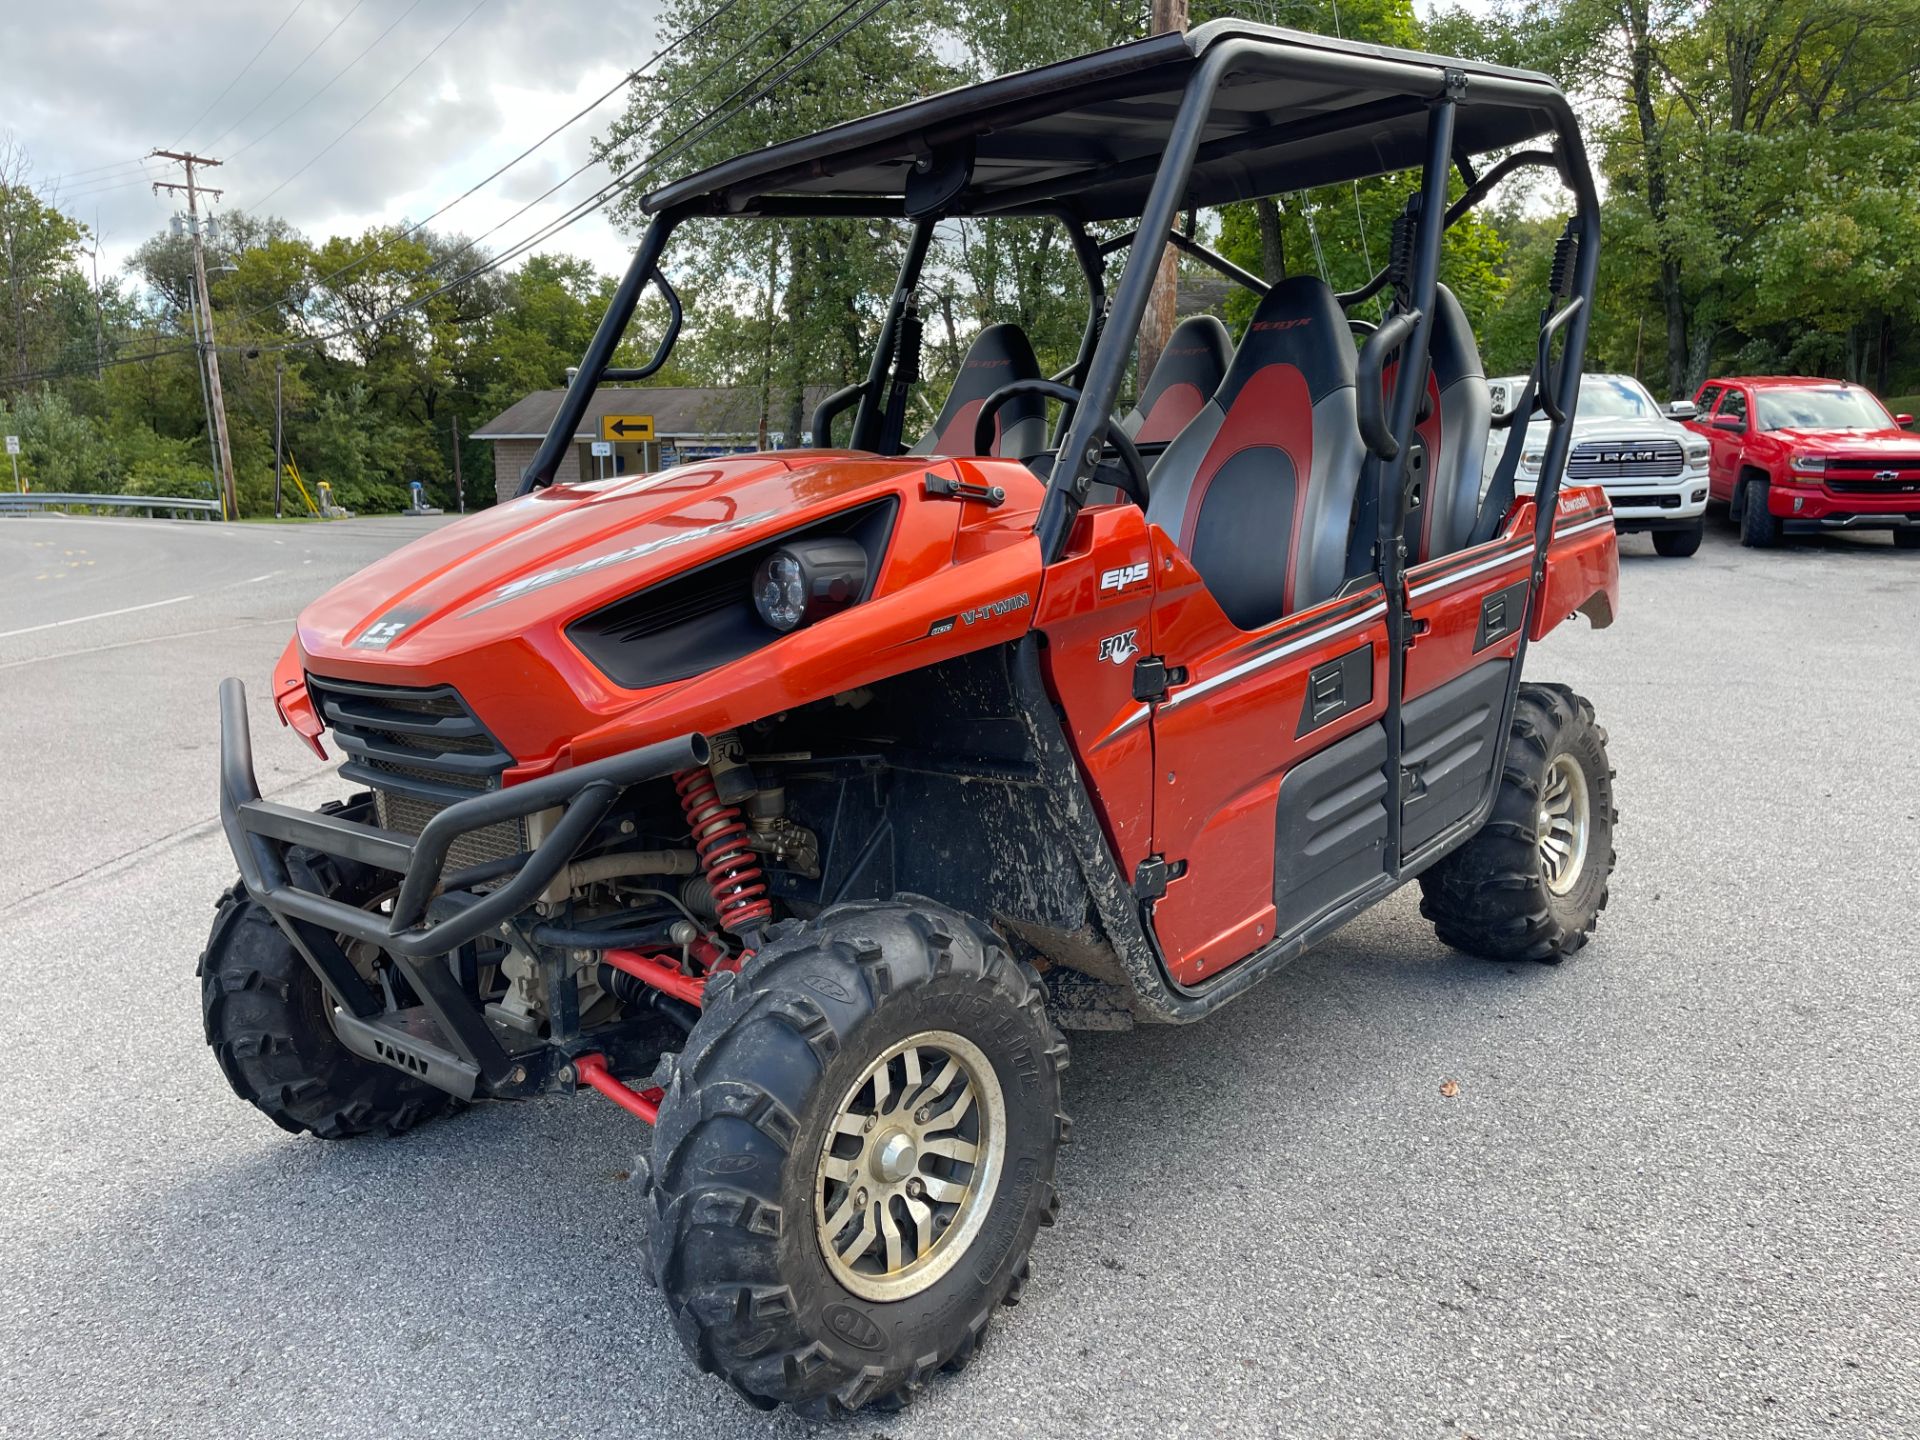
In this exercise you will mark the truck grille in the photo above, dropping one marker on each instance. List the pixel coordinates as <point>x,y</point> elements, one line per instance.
<point>1873,474</point>
<point>419,750</point>
<point>1601,460</point>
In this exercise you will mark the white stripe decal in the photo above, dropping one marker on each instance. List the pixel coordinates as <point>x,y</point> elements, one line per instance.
<point>1124,726</point>
<point>1247,667</point>
<point>1498,562</point>
<point>1316,637</point>
<point>1512,557</point>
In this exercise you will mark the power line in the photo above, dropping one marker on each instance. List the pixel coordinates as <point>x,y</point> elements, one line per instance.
<point>94,169</point>
<point>242,72</point>
<point>87,191</point>
<point>653,158</point>
<point>711,120</point>
<point>718,115</point>
<point>280,84</point>
<point>571,120</point>
<point>371,108</point>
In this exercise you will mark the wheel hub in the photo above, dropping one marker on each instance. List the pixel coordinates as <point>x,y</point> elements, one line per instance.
<point>894,1158</point>
<point>1563,823</point>
<point>910,1165</point>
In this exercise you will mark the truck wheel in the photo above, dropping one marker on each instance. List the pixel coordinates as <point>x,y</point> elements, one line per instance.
<point>853,1155</point>
<point>266,1019</point>
<point>1531,885</point>
<point>1759,527</point>
<point>1678,544</point>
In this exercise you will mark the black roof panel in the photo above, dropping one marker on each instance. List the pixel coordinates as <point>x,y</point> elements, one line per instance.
<point>1306,110</point>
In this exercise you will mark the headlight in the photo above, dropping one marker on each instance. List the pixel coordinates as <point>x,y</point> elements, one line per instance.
<point>1531,459</point>
<point>1809,464</point>
<point>804,580</point>
<point>1697,453</point>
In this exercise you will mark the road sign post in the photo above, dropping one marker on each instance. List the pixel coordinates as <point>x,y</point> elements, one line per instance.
<point>13,456</point>
<point>601,450</point>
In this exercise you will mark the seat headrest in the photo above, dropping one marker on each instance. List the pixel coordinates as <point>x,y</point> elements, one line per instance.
<point>999,354</point>
<point>1298,323</point>
<point>1452,351</point>
<point>1184,378</point>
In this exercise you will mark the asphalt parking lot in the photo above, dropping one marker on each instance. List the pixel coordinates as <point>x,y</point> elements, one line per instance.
<point>1678,1192</point>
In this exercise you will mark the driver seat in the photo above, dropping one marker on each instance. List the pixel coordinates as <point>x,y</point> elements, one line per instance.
<point>1258,488</point>
<point>999,355</point>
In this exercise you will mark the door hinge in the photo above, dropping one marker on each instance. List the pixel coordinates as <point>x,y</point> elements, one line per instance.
<point>989,495</point>
<point>1152,675</point>
<point>1151,877</point>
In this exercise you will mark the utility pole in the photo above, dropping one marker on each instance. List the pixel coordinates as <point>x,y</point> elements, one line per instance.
<point>279,370</point>
<point>1156,326</point>
<point>459,486</point>
<point>206,405</point>
<point>230,499</point>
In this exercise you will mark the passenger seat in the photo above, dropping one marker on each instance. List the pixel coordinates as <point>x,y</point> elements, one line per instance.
<point>1458,416</point>
<point>1258,488</point>
<point>1189,370</point>
<point>999,355</point>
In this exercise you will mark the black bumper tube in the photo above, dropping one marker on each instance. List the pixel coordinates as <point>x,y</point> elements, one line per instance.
<point>258,831</point>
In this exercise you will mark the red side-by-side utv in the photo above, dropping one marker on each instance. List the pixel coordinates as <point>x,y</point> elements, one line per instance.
<point>795,802</point>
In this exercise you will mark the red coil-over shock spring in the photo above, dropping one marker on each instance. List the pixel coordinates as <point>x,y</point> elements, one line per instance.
<point>720,839</point>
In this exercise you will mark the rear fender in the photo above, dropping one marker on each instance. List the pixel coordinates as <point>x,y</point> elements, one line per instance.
<point>1583,562</point>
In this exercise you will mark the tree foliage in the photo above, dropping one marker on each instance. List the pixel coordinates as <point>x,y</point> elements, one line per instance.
<point>1756,160</point>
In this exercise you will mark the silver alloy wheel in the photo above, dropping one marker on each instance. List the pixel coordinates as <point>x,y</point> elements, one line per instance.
<point>1563,823</point>
<point>910,1166</point>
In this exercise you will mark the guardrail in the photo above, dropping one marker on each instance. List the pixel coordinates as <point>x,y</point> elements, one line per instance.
<point>16,504</point>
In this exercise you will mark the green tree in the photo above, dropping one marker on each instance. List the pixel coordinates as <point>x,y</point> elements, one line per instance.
<point>789,303</point>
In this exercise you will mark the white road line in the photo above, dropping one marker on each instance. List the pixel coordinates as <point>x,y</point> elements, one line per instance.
<point>143,640</point>
<point>102,615</point>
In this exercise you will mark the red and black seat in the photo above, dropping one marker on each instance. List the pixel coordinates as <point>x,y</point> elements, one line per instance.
<point>1454,422</point>
<point>999,355</point>
<point>1258,488</point>
<point>1188,371</point>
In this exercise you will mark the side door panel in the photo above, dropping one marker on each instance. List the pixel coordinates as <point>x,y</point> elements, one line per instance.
<point>1265,838</point>
<point>1467,612</point>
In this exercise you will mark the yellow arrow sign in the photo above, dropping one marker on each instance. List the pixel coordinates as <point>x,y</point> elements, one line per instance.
<point>626,427</point>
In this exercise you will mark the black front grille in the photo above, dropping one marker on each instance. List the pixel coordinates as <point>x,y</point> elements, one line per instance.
<point>1601,460</point>
<point>419,751</point>
<point>424,743</point>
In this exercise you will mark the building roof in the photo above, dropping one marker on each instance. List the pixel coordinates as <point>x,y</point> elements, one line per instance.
<point>1294,111</point>
<point>677,411</point>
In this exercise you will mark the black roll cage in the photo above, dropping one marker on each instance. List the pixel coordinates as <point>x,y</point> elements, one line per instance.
<point>1413,86</point>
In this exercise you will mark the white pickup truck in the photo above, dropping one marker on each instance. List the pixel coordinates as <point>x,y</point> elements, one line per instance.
<point>1654,469</point>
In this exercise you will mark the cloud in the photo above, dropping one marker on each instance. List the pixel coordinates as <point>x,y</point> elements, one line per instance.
<point>88,93</point>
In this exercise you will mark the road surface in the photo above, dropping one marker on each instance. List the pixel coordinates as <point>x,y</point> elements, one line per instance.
<point>1678,1192</point>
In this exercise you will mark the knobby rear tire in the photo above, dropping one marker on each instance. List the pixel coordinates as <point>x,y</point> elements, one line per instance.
<point>733,1242</point>
<point>1490,897</point>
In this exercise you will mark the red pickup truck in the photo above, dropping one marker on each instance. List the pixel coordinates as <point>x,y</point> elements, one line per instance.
<point>1794,456</point>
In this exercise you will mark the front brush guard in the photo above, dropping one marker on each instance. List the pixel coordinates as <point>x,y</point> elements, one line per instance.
<point>260,832</point>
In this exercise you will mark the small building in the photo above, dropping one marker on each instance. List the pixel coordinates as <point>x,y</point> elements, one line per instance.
<point>642,428</point>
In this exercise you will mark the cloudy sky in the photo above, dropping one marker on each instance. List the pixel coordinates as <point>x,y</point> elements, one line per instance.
<point>88,88</point>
